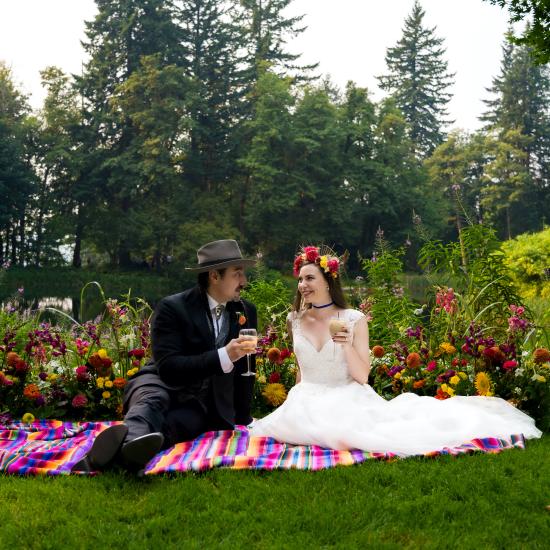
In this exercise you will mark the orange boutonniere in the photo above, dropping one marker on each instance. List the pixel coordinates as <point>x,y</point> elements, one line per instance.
<point>241,318</point>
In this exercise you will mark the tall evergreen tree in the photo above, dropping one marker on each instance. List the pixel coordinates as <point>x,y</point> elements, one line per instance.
<point>121,34</point>
<point>418,80</point>
<point>521,102</point>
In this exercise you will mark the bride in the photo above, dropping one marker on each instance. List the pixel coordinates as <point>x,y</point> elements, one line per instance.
<point>333,406</point>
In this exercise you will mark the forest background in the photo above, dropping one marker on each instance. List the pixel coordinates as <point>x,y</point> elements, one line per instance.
<point>191,121</point>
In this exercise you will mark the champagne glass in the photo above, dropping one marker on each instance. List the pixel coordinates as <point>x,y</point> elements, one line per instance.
<point>251,337</point>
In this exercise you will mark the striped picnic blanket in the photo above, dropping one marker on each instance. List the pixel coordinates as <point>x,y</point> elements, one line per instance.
<point>52,447</point>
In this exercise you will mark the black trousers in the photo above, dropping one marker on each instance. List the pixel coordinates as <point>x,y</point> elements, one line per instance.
<point>152,408</point>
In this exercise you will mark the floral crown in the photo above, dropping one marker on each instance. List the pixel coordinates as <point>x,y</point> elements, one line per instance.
<point>311,254</point>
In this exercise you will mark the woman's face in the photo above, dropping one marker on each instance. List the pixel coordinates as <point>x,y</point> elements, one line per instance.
<point>312,285</point>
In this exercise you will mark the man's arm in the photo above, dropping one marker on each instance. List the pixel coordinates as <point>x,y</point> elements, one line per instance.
<point>176,365</point>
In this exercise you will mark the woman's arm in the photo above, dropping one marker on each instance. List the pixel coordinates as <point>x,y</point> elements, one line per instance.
<point>289,330</point>
<point>358,353</point>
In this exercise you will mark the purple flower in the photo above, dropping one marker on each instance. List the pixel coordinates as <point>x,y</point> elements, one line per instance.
<point>43,376</point>
<point>40,401</point>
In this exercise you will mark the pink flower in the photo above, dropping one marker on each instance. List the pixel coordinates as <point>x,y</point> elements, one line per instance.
<point>509,365</point>
<point>312,253</point>
<point>432,365</point>
<point>333,265</point>
<point>79,401</point>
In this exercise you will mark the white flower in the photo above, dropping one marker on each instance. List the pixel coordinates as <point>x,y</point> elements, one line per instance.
<point>519,372</point>
<point>418,311</point>
<point>127,340</point>
<point>524,353</point>
<point>517,390</point>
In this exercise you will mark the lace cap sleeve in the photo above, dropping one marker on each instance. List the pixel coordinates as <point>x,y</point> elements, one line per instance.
<point>354,315</point>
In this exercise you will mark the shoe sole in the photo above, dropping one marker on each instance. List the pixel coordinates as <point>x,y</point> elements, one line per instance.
<point>107,445</point>
<point>140,451</point>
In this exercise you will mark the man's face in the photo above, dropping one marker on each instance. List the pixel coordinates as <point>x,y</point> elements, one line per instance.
<point>227,287</point>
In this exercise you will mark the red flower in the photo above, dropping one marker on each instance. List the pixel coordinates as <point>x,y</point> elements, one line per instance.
<point>441,394</point>
<point>79,401</point>
<point>274,355</point>
<point>21,367</point>
<point>297,264</point>
<point>274,377</point>
<point>82,374</point>
<point>454,362</point>
<point>312,253</point>
<point>138,353</point>
<point>285,352</point>
<point>509,365</point>
<point>333,265</point>
<point>431,366</point>
<point>378,351</point>
<point>119,383</point>
<point>494,354</point>
<point>11,358</point>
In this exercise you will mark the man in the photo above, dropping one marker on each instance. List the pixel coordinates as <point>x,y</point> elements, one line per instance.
<point>194,383</point>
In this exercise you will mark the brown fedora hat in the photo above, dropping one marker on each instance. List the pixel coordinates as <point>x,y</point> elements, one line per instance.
<point>220,254</point>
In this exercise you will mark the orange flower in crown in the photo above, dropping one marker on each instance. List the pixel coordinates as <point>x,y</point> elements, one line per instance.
<point>311,254</point>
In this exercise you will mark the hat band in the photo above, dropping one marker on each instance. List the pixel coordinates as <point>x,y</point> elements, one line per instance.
<point>215,262</point>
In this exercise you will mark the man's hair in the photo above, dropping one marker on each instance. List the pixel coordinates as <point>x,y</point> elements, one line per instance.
<point>203,277</point>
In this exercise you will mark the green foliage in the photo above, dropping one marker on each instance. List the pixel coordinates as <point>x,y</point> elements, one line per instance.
<point>388,309</point>
<point>418,81</point>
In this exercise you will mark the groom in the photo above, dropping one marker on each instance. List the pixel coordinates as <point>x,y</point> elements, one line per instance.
<point>194,382</point>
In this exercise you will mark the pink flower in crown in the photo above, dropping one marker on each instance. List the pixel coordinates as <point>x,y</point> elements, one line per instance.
<point>312,253</point>
<point>333,264</point>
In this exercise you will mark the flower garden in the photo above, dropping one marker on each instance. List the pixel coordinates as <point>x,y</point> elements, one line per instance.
<point>473,338</point>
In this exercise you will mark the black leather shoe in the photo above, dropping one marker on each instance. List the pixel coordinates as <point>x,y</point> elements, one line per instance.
<point>104,449</point>
<point>138,452</point>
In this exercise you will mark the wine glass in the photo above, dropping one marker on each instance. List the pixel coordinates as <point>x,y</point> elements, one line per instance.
<point>251,337</point>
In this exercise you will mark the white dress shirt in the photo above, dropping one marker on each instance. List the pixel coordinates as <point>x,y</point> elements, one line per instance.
<point>227,365</point>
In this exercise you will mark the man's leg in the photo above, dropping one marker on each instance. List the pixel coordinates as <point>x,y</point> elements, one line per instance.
<point>184,423</point>
<point>146,411</point>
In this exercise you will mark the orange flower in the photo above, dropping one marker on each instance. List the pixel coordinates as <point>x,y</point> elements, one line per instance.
<point>274,355</point>
<point>378,351</point>
<point>419,384</point>
<point>31,391</point>
<point>413,360</point>
<point>119,383</point>
<point>242,320</point>
<point>540,355</point>
<point>12,357</point>
<point>441,394</point>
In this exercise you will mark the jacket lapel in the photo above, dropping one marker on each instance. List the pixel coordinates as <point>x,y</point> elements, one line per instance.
<point>201,316</point>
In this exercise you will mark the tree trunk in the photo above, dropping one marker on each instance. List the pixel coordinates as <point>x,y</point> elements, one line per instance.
<point>40,220</point>
<point>22,252</point>
<point>508,228</point>
<point>460,239</point>
<point>13,246</point>
<point>77,253</point>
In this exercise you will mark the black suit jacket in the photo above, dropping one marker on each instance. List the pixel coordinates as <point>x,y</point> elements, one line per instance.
<point>186,360</point>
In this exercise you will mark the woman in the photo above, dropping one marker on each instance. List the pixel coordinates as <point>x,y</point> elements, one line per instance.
<point>333,406</point>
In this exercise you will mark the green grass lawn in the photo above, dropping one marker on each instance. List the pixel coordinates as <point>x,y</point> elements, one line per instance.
<point>474,501</point>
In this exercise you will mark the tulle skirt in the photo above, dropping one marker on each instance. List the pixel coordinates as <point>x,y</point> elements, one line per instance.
<point>354,416</point>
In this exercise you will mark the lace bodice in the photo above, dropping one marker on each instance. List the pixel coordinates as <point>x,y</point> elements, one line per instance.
<point>325,366</point>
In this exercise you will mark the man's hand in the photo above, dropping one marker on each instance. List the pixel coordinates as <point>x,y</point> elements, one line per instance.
<point>237,348</point>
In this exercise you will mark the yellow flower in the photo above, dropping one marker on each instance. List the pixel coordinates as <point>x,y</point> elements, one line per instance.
<point>28,418</point>
<point>454,380</point>
<point>463,375</point>
<point>445,388</point>
<point>108,383</point>
<point>131,372</point>
<point>106,394</point>
<point>445,347</point>
<point>99,382</point>
<point>323,262</point>
<point>274,394</point>
<point>53,377</point>
<point>450,391</point>
<point>103,353</point>
<point>261,379</point>
<point>397,375</point>
<point>260,361</point>
<point>538,378</point>
<point>483,384</point>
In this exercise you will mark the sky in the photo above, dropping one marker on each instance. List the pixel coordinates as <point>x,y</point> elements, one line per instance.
<point>349,39</point>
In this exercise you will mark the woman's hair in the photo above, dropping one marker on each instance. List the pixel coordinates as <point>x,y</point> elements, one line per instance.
<point>334,289</point>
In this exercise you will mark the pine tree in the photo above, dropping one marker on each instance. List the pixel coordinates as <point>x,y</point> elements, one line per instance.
<point>266,30</point>
<point>419,81</point>
<point>120,36</point>
<point>520,102</point>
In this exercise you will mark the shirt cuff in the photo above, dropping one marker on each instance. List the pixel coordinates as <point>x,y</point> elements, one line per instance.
<point>227,365</point>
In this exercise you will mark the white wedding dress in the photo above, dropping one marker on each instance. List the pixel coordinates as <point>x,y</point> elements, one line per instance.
<point>330,409</point>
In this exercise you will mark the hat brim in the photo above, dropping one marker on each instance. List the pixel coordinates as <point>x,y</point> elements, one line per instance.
<point>201,269</point>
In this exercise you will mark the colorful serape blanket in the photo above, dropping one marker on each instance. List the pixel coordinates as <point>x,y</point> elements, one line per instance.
<point>52,447</point>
